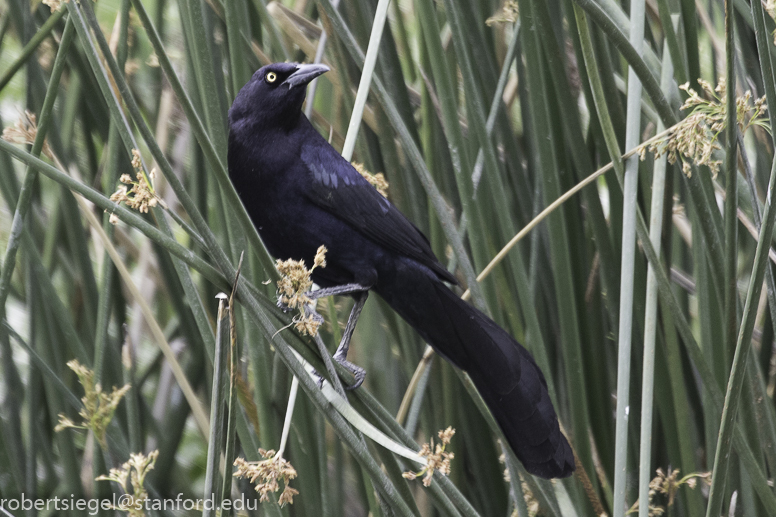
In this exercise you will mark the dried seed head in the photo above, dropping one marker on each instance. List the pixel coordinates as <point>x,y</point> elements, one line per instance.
<point>137,162</point>
<point>294,283</point>
<point>55,5</point>
<point>437,458</point>
<point>320,257</point>
<point>668,484</point>
<point>132,474</point>
<point>376,180</point>
<point>25,131</point>
<point>508,14</point>
<point>695,138</point>
<point>293,288</point>
<point>446,435</point>
<point>266,473</point>
<point>98,407</point>
<point>140,196</point>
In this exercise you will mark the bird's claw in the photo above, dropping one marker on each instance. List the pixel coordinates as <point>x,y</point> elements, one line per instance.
<point>319,379</point>
<point>358,373</point>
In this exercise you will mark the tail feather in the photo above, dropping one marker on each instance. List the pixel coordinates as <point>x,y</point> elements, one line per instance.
<point>503,371</point>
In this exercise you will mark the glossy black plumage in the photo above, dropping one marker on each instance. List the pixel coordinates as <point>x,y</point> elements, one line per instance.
<point>300,193</point>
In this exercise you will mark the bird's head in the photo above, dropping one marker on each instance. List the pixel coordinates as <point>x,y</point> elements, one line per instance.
<point>274,95</point>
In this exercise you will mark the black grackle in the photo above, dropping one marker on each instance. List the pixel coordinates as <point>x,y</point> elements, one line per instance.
<point>300,193</point>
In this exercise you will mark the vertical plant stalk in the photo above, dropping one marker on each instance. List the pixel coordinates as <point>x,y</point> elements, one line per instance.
<point>289,416</point>
<point>650,316</point>
<point>216,436</point>
<point>232,408</point>
<point>366,78</point>
<point>637,11</point>
<point>743,345</point>
<point>730,302</point>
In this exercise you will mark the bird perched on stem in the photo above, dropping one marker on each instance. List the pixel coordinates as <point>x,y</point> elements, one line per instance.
<point>301,194</point>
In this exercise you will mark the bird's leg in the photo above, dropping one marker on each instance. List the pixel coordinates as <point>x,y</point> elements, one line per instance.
<point>337,290</point>
<point>328,291</point>
<point>342,351</point>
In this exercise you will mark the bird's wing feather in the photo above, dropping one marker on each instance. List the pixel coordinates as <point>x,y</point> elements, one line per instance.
<point>342,191</point>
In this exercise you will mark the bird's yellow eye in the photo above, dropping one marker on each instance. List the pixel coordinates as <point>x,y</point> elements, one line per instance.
<point>271,77</point>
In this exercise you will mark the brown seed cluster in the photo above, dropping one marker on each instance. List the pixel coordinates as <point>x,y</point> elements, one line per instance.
<point>266,473</point>
<point>437,458</point>
<point>98,407</point>
<point>55,5</point>
<point>508,14</point>
<point>668,484</point>
<point>293,286</point>
<point>696,137</point>
<point>132,473</point>
<point>376,180</point>
<point>140,195</point>
<point>24,132</point>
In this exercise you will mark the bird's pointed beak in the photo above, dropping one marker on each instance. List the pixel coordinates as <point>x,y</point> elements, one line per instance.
<point>305,73</point>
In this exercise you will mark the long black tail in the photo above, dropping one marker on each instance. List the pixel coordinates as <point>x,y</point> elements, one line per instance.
<point>503,371</point>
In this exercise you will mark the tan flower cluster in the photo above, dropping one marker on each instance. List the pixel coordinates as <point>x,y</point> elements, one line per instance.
<point>293,286</point>
<point>439,459</point>
<point>530,500</point>
<point>132,473</point>
<point>308,322</point>
<point>503,460</point>
<point>695,138</point>
<point>269,470</point>
<point>376,180</point>
<point>509,14</point>
<point>98,407</point>
<point>140,196</point>
<point>55,5</point>
<point>24,132</point>
<point>669,484</point>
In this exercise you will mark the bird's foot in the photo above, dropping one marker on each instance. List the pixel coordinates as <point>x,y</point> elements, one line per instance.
<point>358,373</point>
<point>319,379</point>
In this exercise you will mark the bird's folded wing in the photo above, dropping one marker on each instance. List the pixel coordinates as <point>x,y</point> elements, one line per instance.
<point>342,191</point>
